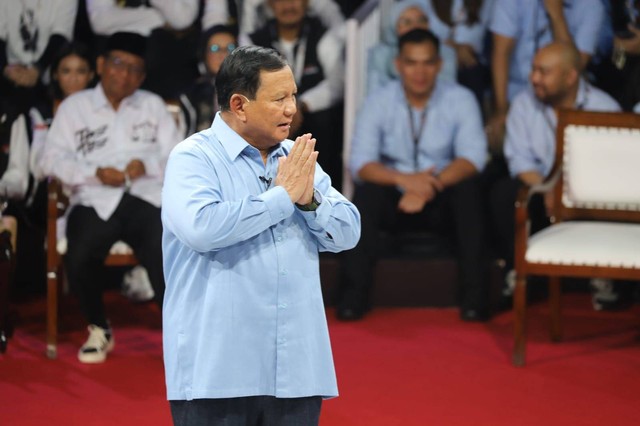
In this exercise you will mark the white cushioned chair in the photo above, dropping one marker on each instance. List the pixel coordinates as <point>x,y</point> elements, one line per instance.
<point>595,231</point>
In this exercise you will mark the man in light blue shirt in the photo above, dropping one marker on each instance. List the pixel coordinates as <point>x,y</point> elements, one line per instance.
<point>416,152</point>
<point>530,143</point>
<point>520,28</point>
<point>246,213</point>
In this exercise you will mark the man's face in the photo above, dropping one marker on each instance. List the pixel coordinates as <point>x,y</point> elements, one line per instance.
<point>550,77</point>
<point>121,74</point>
<point>418,65</point>
<point>289,12</point>
<point>269,115</point>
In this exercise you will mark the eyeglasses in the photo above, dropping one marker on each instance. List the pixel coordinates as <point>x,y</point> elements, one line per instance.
<point>122,65</point>
<point>215,48</point>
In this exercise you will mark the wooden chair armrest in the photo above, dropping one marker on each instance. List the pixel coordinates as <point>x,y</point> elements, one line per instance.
<point>522,222</point>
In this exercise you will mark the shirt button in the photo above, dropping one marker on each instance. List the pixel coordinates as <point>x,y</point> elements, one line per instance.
<point>283,272</point>
<point>279,239</point>
<point>282,306</point>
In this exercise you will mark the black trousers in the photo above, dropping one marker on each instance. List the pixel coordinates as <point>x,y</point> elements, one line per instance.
<point>247,411</point>
<point>457,213</point>
<point>326,126</point>
<point>90,238</point>
<point>502,198</point>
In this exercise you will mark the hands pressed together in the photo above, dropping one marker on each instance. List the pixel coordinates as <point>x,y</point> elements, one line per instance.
<point>295,171</point>
<point>418,189</point>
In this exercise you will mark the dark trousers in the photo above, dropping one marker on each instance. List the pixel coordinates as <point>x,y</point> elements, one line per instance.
<point>326,126</point>
<point>456,212</point>
<point>502,198</point>
<point>90,238</point>
<point>247,411</point>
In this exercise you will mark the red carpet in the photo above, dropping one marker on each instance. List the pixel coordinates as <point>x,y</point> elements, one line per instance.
<point>397,367</point>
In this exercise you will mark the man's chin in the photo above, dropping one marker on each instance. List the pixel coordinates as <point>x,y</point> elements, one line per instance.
<point>282,130</point>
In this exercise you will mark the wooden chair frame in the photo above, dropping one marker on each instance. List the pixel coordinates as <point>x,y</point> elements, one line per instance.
<point>56,208</point>
<point>561,213</point>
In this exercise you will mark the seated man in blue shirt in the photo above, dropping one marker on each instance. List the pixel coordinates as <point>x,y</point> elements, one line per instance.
<point>520,28</point>
<point>246,213</point>
<point>416,152</point>
<point>530,143</point>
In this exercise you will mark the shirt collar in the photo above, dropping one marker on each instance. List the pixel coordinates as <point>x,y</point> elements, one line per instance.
<point>99,99</point>
<point>582,97</point>
<point>234,144</point>
<point>436,93</point>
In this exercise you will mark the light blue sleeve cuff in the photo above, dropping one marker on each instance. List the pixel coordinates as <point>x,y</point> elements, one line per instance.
<point>278,204</point>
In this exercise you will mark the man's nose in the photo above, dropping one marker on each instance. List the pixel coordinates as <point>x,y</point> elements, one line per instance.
<point>290,107</point>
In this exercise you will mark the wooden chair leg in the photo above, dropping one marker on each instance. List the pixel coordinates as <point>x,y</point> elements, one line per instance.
<point>52,314</point>
<point>519,313</point>
<point>555,325</point>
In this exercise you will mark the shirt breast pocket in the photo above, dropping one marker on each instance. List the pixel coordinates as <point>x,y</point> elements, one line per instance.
<point>144,132</point>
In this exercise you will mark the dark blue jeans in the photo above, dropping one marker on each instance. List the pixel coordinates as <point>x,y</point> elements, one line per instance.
<point>247,411</point>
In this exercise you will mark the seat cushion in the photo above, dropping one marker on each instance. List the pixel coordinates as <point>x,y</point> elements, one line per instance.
<point>587,243</point>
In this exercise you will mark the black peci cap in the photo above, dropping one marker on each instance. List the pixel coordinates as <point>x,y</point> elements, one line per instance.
<point>128,42</point>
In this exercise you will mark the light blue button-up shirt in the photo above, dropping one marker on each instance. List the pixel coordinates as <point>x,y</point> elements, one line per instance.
<point>243,312</point>
<point>453,129</point>
<point>530,141</point>
<point>526,21</point>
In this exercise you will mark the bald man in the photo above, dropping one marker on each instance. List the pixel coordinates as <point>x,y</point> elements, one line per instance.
<point>555,83</point>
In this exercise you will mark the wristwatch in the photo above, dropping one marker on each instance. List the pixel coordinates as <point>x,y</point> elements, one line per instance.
<point>316,200</point>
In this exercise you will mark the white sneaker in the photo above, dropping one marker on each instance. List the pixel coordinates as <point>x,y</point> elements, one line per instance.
<point>509,283</point>
<point>603,295</point>
<point>95,349</point>
<point>136,285</point>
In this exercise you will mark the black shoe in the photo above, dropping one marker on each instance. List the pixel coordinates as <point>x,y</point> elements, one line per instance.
<point>475,315</point>
<point>349,313</point>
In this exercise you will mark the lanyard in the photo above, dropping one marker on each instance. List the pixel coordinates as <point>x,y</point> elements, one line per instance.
<point>416,134</point>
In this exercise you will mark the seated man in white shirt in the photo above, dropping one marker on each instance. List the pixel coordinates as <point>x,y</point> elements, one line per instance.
<point>109,145</point>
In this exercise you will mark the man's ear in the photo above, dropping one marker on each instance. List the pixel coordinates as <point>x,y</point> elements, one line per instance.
<point>237,105</point>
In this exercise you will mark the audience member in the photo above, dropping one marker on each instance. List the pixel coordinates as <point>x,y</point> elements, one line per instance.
<point>520,28</point>
<point>221,12</point>
<point>71,71</point>
<point>404,16</point>
<point>626,54</point>
<point>200,103</point>
<point>530,136</point>
<point>14,174</point>
<point>424,172</point>
<point>110,144</point>
<point>244,328</point>
<point>461,25</point>
<point>256,13</point>
<point>173,33</point>
<point>316,58</point>
<point>31,31</point>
